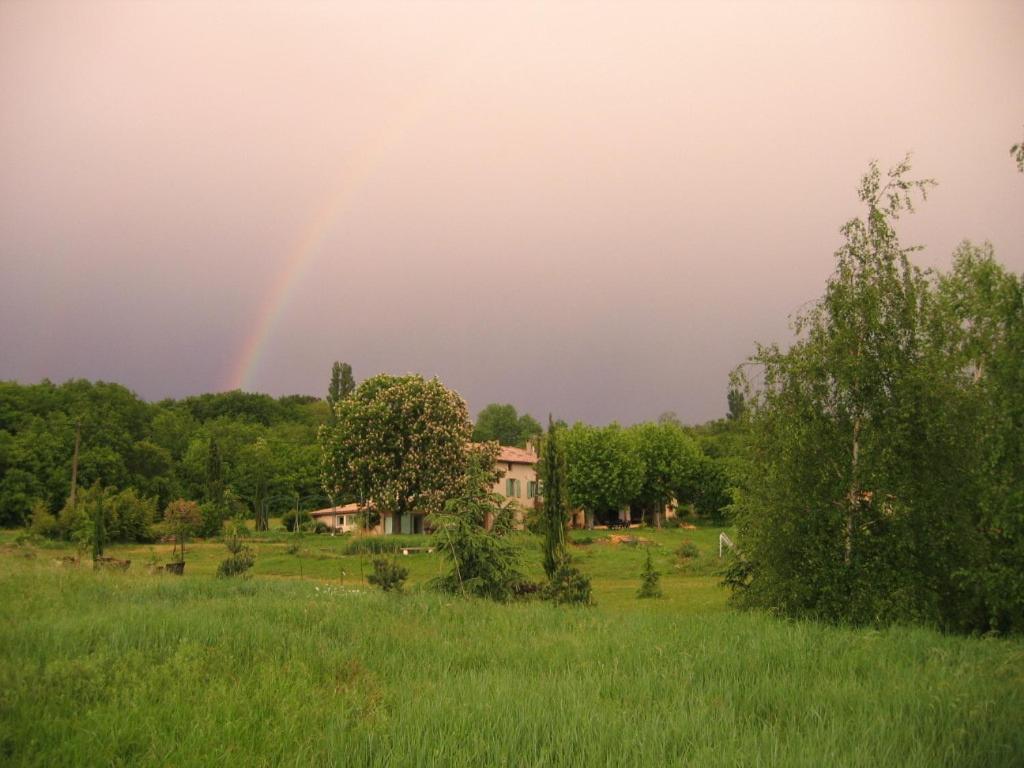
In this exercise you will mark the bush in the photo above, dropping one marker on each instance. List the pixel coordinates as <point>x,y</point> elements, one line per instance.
<point>212,519</point>
<point>388,575</point>
<point>687,551</point>
<point>127,517</point>
<point>314,527</point>
<point>649,586</point>
<point>236,564</point>
<point>182,518</point>
<point>483,563</point>
<point>568,586</point>
<point>379,545</point>
<point>241,559</point>
<point>288,519</point>
<point>44,524</point>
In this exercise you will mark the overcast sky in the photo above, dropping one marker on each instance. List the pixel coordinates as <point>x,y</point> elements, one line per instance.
<point>588,209</point>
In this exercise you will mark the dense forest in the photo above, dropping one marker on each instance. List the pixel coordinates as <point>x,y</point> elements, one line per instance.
<point>235,447</point>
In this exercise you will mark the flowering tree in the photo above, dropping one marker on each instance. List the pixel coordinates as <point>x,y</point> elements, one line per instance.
<point>400,441</point>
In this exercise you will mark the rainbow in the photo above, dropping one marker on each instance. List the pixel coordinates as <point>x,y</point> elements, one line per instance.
<point>305,248</point>
<point>301,256</point>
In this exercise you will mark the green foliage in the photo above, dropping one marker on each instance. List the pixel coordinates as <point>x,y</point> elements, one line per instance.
<point>483,563</point>
<point>240,559</point>
<point>568,586</point>
<point>342,384</point>
<point>212,517</point>
<point>504,425</point>
<point>214,474</point>
<point>379,545</point>
<point>706,484</point>
<point>603,470</point>
<point>198,448</point>
<point>99,534</point>
<point>182,519</point>
<point>126,516</point>
<point>886,441</point>
<point>388,575</point>
<point>666,455</point>
<point>289,518</point>
<point>399,441</point>
<point>43,522</point>
<point>235,565</point>
<point>554,505</point>
<point>649,578</point>
<point>737,404</point>
<point>1017,152</point>
<point>986,305</point>
<point>688,550</point>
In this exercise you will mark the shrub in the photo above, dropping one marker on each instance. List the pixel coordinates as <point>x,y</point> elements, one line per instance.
<point>289,517</point>
<point>212,519</point>
<point>484,563</point>
<point>241,558</point>
<point>314,527</point>
<point>127,517</point>
<point>568,586</point>
<point>649,586</point>
<point>388,575</point>
<point>687,551</point>
<point>379,545</point>
<point>44,523</point>
<point>236,564</point>
<point>182,518</point>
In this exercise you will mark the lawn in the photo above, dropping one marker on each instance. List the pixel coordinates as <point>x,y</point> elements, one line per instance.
<point>302,665</point>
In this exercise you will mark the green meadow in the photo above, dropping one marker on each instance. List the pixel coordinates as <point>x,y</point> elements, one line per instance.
<point>303,664</point>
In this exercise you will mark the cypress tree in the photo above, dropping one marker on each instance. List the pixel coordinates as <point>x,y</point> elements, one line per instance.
<point>214,474</point>
<point>555,503</point>
<point>99,530</point>
<point>649,586</point>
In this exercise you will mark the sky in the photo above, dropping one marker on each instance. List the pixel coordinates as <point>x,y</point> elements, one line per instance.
<point>587,209</point>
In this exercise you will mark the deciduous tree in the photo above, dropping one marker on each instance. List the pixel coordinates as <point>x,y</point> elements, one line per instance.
<point>400,442</point>
<point>603,472</point>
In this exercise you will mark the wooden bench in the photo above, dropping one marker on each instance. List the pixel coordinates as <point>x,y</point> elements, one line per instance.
<point>410,550</point>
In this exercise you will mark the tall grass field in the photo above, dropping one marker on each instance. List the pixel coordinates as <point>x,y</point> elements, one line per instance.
<point>101,668</point>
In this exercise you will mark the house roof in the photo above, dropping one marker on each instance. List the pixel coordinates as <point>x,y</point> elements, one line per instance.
<point>512,455</point>
<point>346,509</point>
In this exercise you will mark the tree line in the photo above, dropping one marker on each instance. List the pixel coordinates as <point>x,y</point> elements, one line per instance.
<point>236,452</point>
<point>240,454</point>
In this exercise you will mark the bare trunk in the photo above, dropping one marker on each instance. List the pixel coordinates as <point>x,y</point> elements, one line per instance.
<point>854,497</point>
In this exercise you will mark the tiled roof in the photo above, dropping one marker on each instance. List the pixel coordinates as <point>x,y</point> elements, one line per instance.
<point>512,455</point>
<point>347,509</point>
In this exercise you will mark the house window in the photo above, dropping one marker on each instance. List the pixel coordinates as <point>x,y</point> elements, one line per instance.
<point>512,488</point>
<point>531,489</point>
